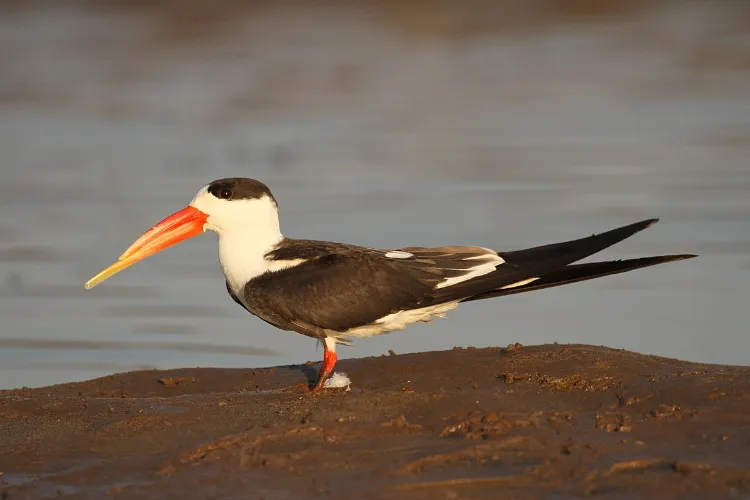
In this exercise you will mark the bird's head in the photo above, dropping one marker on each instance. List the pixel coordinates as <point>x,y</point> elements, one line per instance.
<point>233,206</point>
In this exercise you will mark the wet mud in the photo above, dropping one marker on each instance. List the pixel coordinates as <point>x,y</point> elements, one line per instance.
<point>551,421</point>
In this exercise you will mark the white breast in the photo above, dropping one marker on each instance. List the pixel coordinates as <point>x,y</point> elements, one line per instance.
<point>243,260</point>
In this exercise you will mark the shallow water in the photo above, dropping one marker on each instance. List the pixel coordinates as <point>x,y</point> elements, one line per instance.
<point>369,135</point>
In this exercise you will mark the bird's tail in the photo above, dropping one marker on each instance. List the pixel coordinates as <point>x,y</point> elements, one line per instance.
<point>581,272</point>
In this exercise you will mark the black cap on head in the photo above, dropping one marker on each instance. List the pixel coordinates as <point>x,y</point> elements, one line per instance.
<point>239,188</point>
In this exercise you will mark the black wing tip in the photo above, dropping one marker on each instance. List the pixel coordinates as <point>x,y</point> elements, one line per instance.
<point>630,229</point>
<point>644,224</point>
<point>663,259</point>
<point>582,272</point>
<point>684,256</point>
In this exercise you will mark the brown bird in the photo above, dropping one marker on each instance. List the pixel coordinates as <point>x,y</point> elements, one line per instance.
<point>336,292</point>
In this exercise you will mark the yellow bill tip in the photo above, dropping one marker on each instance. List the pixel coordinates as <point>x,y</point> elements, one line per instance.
<point>91,283</point>
<point>107,273</point>
<point>179,226</point>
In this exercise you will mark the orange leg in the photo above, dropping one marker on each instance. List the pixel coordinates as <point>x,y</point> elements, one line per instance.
<point>329,361</point>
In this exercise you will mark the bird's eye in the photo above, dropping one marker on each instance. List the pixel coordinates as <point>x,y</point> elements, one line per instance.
<point>225,194</point>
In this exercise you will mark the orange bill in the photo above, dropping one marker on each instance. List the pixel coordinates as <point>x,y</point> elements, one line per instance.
<point>178,227</point>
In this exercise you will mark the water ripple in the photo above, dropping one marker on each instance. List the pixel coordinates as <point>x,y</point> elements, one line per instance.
<point>16,343</point>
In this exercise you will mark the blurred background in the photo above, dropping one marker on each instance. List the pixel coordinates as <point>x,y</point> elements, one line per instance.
<point>383,123</point>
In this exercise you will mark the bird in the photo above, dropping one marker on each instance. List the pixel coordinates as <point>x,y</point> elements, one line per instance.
<point>336,292</point>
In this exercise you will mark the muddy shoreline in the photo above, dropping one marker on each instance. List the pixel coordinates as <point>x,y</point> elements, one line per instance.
<point>517,422</point>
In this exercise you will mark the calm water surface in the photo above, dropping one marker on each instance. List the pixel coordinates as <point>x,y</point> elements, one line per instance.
<point>370,136</point>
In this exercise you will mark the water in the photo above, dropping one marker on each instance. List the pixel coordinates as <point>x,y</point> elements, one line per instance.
<point>369,131</point>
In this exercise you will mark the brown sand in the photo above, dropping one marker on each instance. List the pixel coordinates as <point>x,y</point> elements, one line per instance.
<point>544,421</point>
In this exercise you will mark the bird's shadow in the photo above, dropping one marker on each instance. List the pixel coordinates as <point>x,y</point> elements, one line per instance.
<point>310,371</point>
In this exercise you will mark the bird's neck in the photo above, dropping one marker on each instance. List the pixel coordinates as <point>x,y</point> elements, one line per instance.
<point>242,252</point>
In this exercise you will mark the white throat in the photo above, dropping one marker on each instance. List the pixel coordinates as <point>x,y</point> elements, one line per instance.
<point>248,229</point>
<point>242,255</point>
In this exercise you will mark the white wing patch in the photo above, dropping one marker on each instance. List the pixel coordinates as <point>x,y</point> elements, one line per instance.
<point>519,283</point>
<point>489,263</point>
<point>398,254</point>
<point>400,320</point>
<point>278,265</point>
